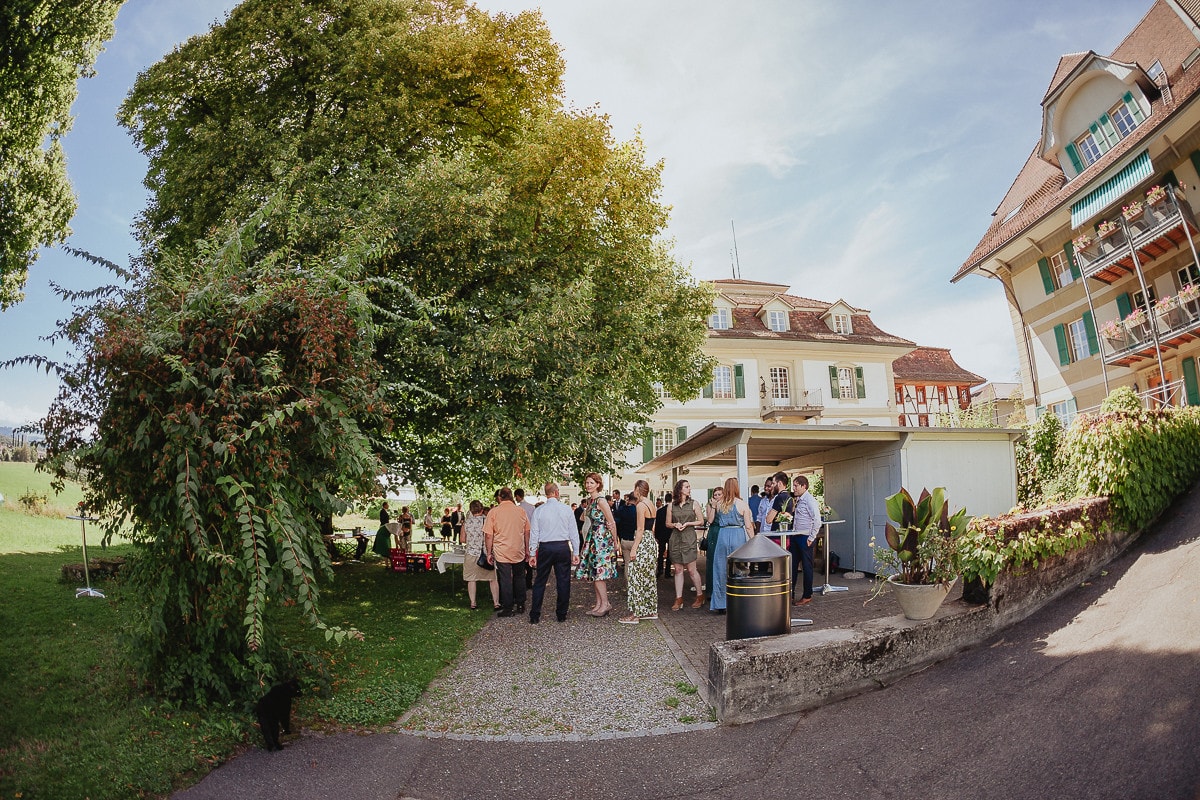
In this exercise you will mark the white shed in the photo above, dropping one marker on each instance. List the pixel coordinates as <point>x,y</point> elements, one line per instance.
<point>862,465</point>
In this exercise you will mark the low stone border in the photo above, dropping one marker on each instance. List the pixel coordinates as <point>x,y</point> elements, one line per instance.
<point>755,679</point>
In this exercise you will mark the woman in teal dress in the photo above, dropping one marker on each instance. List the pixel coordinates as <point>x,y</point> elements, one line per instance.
<point>643,558</point>
<point>383,537</point>
<point>598,555</point>
<point>737,526</point>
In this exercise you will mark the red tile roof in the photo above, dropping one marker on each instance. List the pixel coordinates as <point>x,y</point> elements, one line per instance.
<point>933,365</point>
<point>1041,187</point>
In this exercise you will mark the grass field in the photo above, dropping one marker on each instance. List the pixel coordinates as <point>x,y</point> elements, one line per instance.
<point>77,724</point>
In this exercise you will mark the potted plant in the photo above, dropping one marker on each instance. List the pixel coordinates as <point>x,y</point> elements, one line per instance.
<point>1106,228</point>
<point>1189,300</point>
<point>1168,313</point>
<point>1082,242</point>
<point>922,550</point>
<point>1156,195</point>
<point>1132,211</point>
<point>1114,333</point>
<point>1136,324</point>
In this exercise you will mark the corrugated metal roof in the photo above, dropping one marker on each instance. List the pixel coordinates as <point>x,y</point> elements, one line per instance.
<point>1112,189</point>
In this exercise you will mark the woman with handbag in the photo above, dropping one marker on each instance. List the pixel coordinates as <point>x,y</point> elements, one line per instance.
<point>736,528</point>
<point>598,556</point>
<point>475,561</point>
<point>684,519</point>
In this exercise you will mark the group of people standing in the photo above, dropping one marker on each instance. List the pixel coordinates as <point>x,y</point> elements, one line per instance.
<point>522,544</point>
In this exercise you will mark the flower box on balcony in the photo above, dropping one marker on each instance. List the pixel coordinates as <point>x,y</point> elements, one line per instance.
<point>1106,229</point>
<point>1168,312</point>
<point>1082,242</point>
<point>1115,334</point>
<point>1189,300</point>
<point>1156,195</point>
<point>1132,211</point>
<point>1138,325</point>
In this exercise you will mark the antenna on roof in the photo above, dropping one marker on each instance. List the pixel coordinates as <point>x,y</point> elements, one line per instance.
<point>737,264</point>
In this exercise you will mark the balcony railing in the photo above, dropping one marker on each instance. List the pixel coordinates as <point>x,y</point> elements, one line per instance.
<point>801,406</point>
<point>1155,231</point>
<point>1127,342</point>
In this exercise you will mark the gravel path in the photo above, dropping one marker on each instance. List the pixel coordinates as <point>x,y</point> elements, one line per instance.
<point>583,678</point>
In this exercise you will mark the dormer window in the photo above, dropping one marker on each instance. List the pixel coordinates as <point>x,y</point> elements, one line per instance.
<point>1105,133</point>
<point>719,319</point>
<point>841,323</point>
<point>777,321</point>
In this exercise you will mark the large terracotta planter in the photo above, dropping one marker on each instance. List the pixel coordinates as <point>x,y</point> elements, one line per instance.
<point>920,601</point>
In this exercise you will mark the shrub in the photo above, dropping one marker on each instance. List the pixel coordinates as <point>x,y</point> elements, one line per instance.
<point>1122,398</point>
<point>1023,540</point>
<point>1141,459</point>
<point>1039,463</point>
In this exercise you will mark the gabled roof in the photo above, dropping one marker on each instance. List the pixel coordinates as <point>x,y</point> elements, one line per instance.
<point>1041,187</point>
<point>1066,65</point>
<point>932,365</point>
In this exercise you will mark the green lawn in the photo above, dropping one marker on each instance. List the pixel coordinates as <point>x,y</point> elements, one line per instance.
<point>76,723</point>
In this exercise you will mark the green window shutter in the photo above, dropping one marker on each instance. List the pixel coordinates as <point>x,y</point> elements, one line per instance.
<point>1064,350</point>
<point>1098,138</point>
<point>1134,108</point>
<point>1090,325</point>
<point>1038,411</point>
<point>1124,305</point>
<point>707,391</point>
<point>680,434</point>
<point>860,385</point>
<point>1072,409</point>
<point>1047,280</point>
<point>648,448</point>
<point>739,382</point>
<point>833,383</point>
<point>1076,161</point>
<point>1110,131</point>
<point>1069,249</point>
<point>1190,384</point>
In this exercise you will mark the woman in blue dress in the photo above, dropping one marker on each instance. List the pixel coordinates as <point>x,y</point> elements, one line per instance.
<point>736,528</point>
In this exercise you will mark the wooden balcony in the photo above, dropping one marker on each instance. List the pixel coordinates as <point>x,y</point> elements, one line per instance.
<point>1157,231</point>
<point>1133,343</point>
<point>801,407</point>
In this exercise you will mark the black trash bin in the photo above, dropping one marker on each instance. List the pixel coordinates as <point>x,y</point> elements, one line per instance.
<point>759,589</point>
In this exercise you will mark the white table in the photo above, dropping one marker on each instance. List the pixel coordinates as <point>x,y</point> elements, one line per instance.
<point>827,588</point>
<point>450,557</point>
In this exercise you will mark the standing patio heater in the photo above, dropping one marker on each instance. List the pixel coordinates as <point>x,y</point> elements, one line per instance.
<point>86,590</point>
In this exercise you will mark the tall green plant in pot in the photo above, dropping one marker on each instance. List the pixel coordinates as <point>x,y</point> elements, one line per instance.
<point>922,551</point>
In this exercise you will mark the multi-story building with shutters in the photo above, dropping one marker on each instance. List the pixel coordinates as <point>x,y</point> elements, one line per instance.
<point>1095,243</point>
<point>784,358</point>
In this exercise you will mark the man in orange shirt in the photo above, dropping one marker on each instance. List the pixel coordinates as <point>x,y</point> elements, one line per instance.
<point>506,537</point>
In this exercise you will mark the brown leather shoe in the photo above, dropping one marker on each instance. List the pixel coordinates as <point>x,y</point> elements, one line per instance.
<point>699,601</point>
<point>803,601</point>
<point>678,604</point>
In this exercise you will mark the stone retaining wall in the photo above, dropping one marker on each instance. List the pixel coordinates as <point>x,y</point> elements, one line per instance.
<point>755,679</point>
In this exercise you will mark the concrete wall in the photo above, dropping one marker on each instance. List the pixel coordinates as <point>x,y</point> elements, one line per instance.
<point>756,679</point>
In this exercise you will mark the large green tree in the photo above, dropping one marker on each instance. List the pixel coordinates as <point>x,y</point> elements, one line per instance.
<point>45,47</point>
<point>525,303</point>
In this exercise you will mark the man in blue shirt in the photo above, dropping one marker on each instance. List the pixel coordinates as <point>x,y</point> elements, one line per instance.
<point>755,501</point>
<point>553,542</point>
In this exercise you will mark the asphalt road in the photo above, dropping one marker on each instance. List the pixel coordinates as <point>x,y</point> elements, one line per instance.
<point>1096,696</point>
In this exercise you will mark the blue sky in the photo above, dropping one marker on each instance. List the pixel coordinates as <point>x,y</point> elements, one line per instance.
<point>858,147</point>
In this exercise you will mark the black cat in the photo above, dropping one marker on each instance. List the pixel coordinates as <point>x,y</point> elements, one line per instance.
<point>274,710</point>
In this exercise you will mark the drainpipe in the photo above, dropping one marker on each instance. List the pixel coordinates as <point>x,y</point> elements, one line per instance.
<point>1012,299</point>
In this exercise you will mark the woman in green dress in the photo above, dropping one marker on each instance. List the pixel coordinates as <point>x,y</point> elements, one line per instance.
<point>710,544</point>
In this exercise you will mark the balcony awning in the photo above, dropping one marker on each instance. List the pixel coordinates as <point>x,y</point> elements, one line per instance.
<point>1112,189</point>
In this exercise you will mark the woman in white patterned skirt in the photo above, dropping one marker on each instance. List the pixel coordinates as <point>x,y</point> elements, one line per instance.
<point>471,535</point>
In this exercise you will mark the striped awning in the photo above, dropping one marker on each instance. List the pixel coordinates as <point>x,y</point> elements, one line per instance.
<point>1112,189</point>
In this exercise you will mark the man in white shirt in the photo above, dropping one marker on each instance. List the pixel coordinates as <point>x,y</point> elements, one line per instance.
<point>806,523</point>
<point>553,542</point>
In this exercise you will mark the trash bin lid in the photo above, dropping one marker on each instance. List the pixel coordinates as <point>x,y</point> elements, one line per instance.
<point>759,548</point>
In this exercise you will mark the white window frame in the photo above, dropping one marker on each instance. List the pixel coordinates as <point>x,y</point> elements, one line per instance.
<point>661,392</point>
<point>846,386</point>
<point>1078,341</point>
<point>1060,268</point>
<point>1122,119</point>
<point>1088,148</point>
<point>1063,412</point>
<point>1188,274</point>
<point>719,320</point>
<point>781,384</point>
<point>841,323</point>
<point>777,321</point>
<point>664,440</point>
<point>723,382</point>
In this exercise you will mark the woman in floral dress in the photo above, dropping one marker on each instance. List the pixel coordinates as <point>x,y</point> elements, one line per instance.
<point>471,535</point>
<point>598,556</point>
<point>639,573</point>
